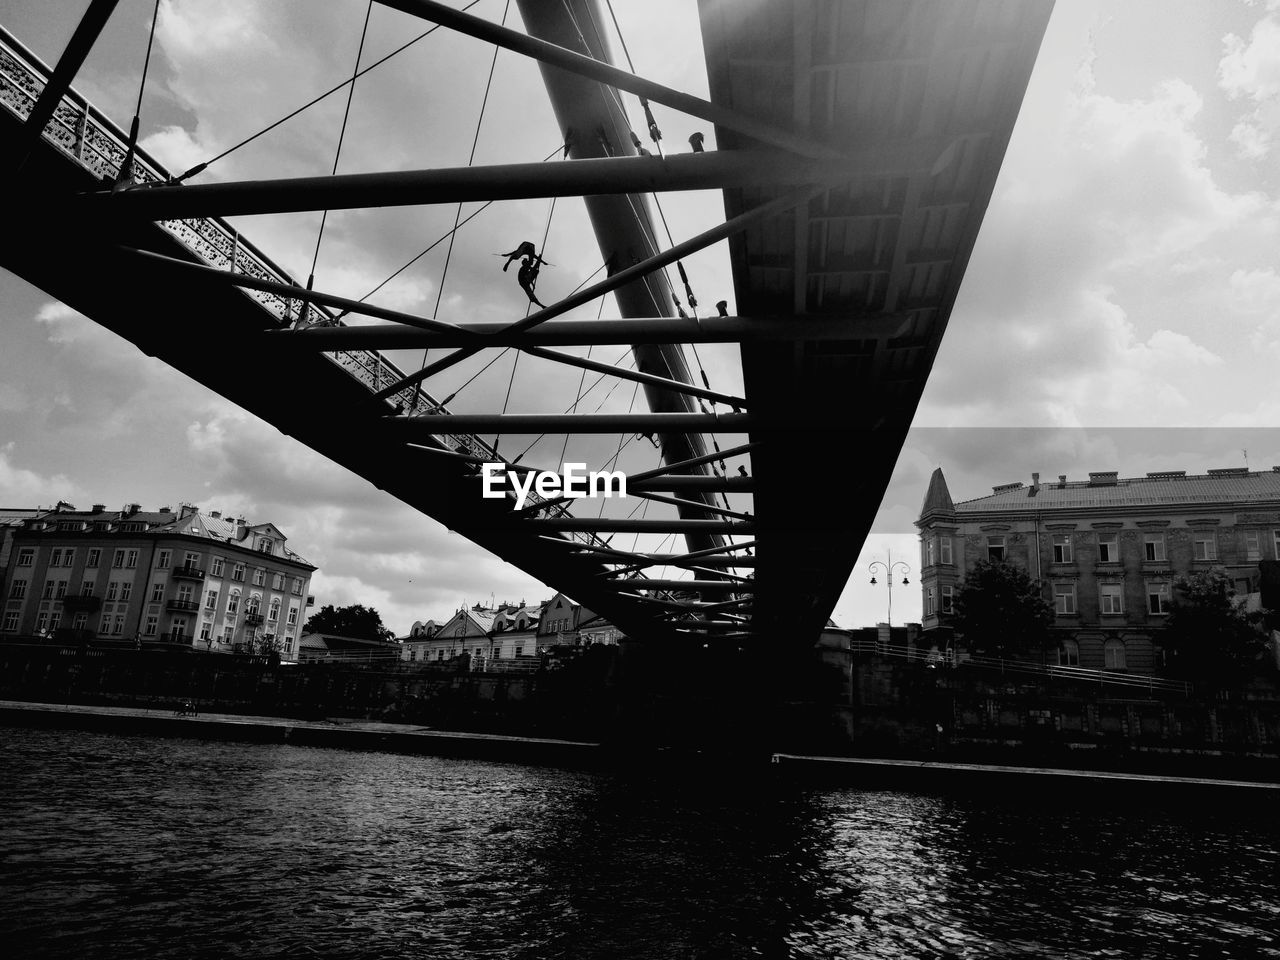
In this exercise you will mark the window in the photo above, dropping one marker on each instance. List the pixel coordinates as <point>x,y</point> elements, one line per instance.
<point>413,654</point>
<point>162,559</point>
<point>1157,598</point>
<point>80,621</point>
<point>995,548</point>
<point>191,560</point>
<point>288,644</point>
<point>153,624</point>
<point>117,559</point>
<point>928,601</point>
<point>47,594</point>
<point>157,592</point>
<point>55,618</point>
<point>277,581</point>
<point>17,589</point>
<point>1252,545</point>
<point>227,634</point>
<point>253,605</point>
<point>440,654</point>
<point>264,544</point>
<point>185,593</point>
<point>237,572</point>
<point>1069,654</point>
<point>211,600</point>
<point>1153,546</point>
<point>293,616</point>
<point>1113,654</point>
<point>259,576</point>
<point>60,557</point>
<point>206,631</point>
<point>1108,548</point>
<point>131,558</point>
<point>126,589</point>
<point>1062,548</point>
<point>948,595</point>
<point>497,653</point>
<point>104,627</point>
<point>273,612</point>
<point>1064,598</point>
<point>928,552</point>
<point>1204,546</point>
<point>1111,598</point>
<point>11,620</point>
<point>944,544</point>
<point>26,557</point>
<point>94,557</point>
<point>233,604</point>
<point>460,630</point>
<point>179,629</point>
<point>117,628</point>
<point>86,588</point>
<point>42,621</point>
<point>113,589</point>
<point>518,651</point>
<point>215,567</point>
<point>296,587</point>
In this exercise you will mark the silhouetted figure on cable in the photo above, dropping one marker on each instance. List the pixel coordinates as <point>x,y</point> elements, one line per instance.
<point>528,276</point>
<point>525,249</point>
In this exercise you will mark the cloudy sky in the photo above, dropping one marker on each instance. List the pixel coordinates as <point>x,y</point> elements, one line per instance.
<point>1121,309</point>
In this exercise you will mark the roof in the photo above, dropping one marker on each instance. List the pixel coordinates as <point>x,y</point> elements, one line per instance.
<point>1163,489</point>
<point>938,498</point>
<point>224,529</point>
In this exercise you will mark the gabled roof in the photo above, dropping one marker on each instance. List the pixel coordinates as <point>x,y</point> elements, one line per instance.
<point>224,529</point>
<point>1231,486</point>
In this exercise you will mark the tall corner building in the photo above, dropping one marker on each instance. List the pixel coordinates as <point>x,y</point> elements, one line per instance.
<point>200,579</point>
<point>1107,550</point>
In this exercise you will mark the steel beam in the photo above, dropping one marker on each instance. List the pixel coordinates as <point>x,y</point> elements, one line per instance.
<point>691,462</point>
<point>558,56</point>
<point>620,525</point>
<point>69,64</point>
<point>530,423</point>
<point>563,333</point>
<point>635,375</point>
<point>691,504</point>
<point>515,181</point>
<point>718,586</point>
<point>709,482</point>
<point>620,279</point>
<point>420,325</point>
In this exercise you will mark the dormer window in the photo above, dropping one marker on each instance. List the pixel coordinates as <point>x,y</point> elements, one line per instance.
<point>265,544</point>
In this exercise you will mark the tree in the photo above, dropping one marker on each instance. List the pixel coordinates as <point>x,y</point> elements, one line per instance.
<point>1208,634</point>
<point>356,620</point>
<point>1000,611</point>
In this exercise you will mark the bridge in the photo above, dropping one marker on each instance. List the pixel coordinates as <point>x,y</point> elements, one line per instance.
<point>857,147</point>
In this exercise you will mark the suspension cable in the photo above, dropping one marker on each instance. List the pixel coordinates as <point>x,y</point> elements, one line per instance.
<point>125,174</point>
<point>200,167</point>
<point>342,133</point>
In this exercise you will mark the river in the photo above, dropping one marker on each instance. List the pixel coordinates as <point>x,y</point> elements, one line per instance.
<point>128,847</point>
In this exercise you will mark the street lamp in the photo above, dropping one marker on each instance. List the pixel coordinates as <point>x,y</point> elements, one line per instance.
<point>889,569</point>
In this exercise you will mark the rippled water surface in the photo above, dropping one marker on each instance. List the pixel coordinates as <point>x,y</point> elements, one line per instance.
<point>135,847</point>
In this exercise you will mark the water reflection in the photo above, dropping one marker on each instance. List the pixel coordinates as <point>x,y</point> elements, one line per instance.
<point>129,847</point>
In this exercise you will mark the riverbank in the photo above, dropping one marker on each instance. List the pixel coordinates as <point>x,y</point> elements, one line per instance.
<point>407,738</point>
<point>340,733</point>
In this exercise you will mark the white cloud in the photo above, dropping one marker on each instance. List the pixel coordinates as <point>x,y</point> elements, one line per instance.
<point>22,487</point>
<point>1250,70</point>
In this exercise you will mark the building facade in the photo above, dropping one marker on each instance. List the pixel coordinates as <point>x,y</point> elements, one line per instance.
<point>213,582</point>
<point>506,632</point>
<point>1107,550</point>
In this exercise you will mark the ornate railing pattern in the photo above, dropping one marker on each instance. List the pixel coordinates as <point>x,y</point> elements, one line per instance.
<point>84,133</point>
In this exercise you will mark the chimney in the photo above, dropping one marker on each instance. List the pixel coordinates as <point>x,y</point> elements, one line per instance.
<point>131,508</point>
<point>216,514</point>
<point>1062,479</point>
<point>185,510</point>
<point>1035,484</point>
<point>99,508</point>
<point>241,529</point>
<point>166,509</point>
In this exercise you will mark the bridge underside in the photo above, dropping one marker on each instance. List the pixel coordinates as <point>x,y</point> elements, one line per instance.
<point>895,117</point>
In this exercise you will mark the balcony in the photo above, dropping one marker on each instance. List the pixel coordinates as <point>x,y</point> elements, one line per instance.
<point>188,573</point>
<point>253,619</point>
<point>176,605</point>
<point>81,604</point>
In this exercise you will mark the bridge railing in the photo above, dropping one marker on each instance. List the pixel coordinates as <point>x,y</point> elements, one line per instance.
<point>83,132</point>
